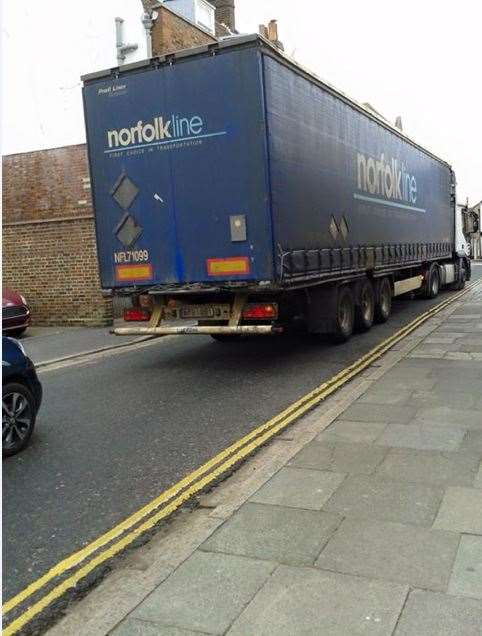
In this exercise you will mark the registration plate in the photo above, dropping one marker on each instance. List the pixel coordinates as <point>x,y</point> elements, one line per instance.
<point>205,311</point>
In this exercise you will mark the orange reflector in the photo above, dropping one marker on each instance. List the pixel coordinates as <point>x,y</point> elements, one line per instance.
<point>133,272</point>
<point>228,266</point>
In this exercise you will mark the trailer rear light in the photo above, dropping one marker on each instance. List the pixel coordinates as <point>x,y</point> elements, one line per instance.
<point>264,311</point>
<point>136,315</point>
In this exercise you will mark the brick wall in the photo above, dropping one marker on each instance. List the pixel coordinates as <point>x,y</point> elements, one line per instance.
<point>49,252</point>
<point>54,264</point>
<point>46,184</point>
<point>172,33</point>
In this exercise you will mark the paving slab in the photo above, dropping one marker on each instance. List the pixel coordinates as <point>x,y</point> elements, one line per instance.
<point>440,339</point>
<point>377,396</point>
<point>371,497</point>
<point>276,533</point>
<point>478,478</point>
<point>460,382</point>
<point>460,327</point>
<point>450,331</point>
<point>299,488</point>
<point>430,467</point>
<point>189,598</point>
<point>470,419</point>
<point>439,348</point>
<point>422,436</point>
<point>360,412</point>
<point>461,511</point>
<point>305,602</point>
<point>471,348</point>
<point>135,627</point>
<point>397,384</point>
<point>466,316</point>
<point>341,457</point>
<point>421,557</point>
<point>432,614</point>
<point>436,398</point>
<point>471,340</point>
<point>402,371</point>
<point>466,579</point>
<point>344,431</point>
<point>445,372</point>
<point>438,366</point>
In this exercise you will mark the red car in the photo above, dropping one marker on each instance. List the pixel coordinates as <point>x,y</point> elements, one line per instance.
<point>15,313</point>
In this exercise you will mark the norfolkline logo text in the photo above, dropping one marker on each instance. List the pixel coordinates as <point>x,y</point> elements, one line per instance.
<point>157,130</point>
<point>388,178</point>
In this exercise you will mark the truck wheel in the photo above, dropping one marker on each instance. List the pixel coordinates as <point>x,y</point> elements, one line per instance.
<point>345,315</point>
<point>432,284</point>
<point>462,278</point>
<point>383,307</point>
<point>365,311</point>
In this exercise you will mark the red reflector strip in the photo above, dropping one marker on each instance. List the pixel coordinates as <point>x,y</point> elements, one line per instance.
<point>260,312</point>
<point>133,272</point>
<point>136,315</point>
<point>228,266</point>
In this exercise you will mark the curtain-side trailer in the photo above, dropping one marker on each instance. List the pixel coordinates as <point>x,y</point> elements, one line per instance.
<point>235,190</point>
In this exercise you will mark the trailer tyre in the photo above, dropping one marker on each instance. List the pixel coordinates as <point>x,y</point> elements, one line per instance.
<point>345,315</point>
<point>365,311</point>
<point>383,307</point>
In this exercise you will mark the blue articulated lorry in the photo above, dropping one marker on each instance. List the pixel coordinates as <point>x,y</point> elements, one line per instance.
<point>236,194</point>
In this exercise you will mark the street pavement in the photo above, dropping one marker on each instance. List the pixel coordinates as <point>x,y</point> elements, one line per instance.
<point>115,431</point>
<point>371,525</point>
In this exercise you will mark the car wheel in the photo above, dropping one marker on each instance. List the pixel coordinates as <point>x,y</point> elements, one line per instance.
<point>18,417</point>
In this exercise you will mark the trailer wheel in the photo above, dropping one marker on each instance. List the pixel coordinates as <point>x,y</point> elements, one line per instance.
<point>432,283</point>
<point>365,311</point>
<point>383,307</point>
<point>345,315</point>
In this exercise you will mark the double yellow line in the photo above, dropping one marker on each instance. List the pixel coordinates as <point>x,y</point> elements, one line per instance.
<point>121,536</point>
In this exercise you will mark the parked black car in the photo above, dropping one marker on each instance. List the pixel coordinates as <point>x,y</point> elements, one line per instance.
<point>21,397</point>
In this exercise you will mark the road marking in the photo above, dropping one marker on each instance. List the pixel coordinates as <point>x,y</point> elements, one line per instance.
<point>197,480</point>
<point>98,354</point>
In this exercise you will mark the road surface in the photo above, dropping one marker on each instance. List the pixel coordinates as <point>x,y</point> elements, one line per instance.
<point>115,432</point>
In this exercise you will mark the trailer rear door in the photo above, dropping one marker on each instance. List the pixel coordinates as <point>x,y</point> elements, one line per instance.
<point>179,172</point>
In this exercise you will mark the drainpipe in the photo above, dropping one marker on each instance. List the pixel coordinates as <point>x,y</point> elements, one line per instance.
<point>148,20</point>
<point>122,49</point>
